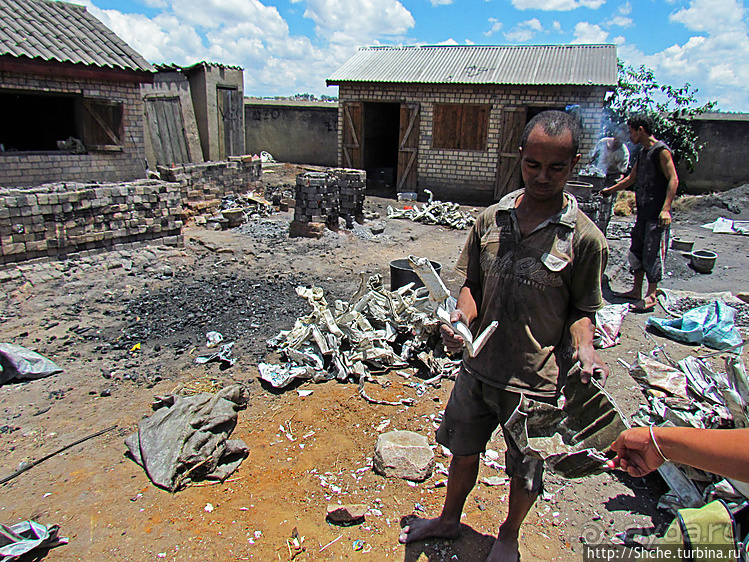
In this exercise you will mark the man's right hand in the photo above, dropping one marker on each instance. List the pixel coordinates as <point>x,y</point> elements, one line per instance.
<point>453,342</point>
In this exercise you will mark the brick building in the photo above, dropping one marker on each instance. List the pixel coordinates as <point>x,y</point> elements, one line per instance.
<point>449,118</point>
<point>70,102</point>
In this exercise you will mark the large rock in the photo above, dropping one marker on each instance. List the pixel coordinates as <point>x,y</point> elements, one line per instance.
<point>403,454</point>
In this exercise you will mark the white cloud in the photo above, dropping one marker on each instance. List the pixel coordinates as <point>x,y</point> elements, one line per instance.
<point>255,36</point>
<point>162,39</point>
<point>496,26</point>
<point>620,21</point>
<point>524,31</point>
<point>586,32</point>
<point>450,41</point>
<point>625,9</point>
<point>244,33</point>
<point>557,5</point>
<point>556,26</point>
<point>710,15</point>
<point>156,4</point>
<point>440,2</point>
<point>717,58</point>
<point>360,19</point>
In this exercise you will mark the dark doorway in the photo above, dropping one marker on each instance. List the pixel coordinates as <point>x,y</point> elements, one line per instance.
<point>380,143</point>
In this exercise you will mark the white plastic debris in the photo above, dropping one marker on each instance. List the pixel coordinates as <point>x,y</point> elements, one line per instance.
<point>213,339</point>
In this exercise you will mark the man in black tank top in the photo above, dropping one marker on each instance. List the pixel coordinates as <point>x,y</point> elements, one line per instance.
<point>654,177</point>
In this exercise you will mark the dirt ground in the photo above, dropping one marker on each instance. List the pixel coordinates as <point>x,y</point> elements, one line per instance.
<point>88,314</point>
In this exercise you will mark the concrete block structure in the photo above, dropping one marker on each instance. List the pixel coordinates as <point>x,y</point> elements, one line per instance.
<point>300,132</point>
<point>724,159</point>
<point>57,220</point>
<point>218,100</point>
<point>449,118</point>
<point>71,110</point>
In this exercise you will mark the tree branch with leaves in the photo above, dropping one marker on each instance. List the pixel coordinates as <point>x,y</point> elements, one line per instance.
<point>673,110</point>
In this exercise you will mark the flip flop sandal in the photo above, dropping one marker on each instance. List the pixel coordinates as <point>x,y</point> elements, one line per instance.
<point>640,307</point>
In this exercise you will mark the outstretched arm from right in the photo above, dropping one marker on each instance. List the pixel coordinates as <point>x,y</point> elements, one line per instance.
<point>721,451</point>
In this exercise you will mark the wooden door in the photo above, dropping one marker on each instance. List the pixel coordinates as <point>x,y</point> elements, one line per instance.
<point>408,147</point>
<point>508,162</point>
<point>353,127</point>
<point>167,131</point>
<point>229,122</point>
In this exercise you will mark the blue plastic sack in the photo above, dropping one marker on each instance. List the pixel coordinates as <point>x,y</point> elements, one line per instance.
<point>711,324</point>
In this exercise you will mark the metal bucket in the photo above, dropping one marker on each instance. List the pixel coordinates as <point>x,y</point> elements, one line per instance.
<point>681,245</point>
<point>704,260</point>
<point>401,273</point>
<point>597,207</point>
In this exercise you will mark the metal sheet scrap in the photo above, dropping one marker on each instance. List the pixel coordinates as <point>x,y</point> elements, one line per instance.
<point>572,439</point>
<point>434,212</point>
<point>694,395</point>
<point>377,331</point>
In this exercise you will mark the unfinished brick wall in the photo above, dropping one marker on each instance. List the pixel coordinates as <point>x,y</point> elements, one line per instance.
<point>35,168</point>
<point>204,185</point>
<point>57,220</point>
<point>63,219</point>
<point>454,173</point>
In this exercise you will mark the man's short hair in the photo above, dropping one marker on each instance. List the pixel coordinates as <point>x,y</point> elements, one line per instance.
<point>554,123</point>
<point>644,120</point>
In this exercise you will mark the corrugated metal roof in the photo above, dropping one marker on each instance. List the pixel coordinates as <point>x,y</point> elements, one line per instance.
<point>62,32</point>
<point>483,64</point>
<point>207,64</point>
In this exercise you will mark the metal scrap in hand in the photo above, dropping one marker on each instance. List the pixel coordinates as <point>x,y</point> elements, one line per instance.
<point>435,212</point>
<point>693,393</point>
<point>377,331</point>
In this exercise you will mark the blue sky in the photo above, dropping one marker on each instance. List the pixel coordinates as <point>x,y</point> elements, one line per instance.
<point>292,46</point>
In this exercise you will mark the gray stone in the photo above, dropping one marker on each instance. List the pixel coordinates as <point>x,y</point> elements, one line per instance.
<point>403,454</point>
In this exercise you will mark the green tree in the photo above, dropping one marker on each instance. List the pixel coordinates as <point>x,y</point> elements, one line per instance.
<point>673,110</point>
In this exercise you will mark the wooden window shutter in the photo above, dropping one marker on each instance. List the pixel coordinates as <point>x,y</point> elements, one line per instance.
<point>460,126</point>
<point>102,124</point>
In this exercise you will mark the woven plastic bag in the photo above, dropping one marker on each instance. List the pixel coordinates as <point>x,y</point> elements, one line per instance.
<point>711,324</point>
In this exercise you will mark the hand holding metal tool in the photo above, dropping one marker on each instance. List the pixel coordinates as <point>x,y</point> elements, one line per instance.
<point>473,345</point>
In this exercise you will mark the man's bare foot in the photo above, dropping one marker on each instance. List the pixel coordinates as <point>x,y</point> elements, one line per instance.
<point>504,550</point>
<point>420,529</point>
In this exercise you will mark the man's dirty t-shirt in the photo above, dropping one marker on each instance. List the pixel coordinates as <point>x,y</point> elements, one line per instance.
<point>530,286</point>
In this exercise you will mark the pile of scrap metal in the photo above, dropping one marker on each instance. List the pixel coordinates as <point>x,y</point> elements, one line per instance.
<point>434,212</point>
<point>691,393</point>
<point>376,332</point>
<point>236,210</point>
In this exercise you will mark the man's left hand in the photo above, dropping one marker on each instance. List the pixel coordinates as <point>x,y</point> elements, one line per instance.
<point>664,219</point>
<point>591,365</point>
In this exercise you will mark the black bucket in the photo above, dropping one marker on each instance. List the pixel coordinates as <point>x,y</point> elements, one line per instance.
<point>401,273</point>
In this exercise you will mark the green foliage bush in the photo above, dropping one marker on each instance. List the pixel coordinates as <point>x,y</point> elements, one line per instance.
<point>672,109</point>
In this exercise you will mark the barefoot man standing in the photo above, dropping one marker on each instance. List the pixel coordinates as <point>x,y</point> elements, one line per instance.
<point>655,179</point>
<point>533,262</point>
